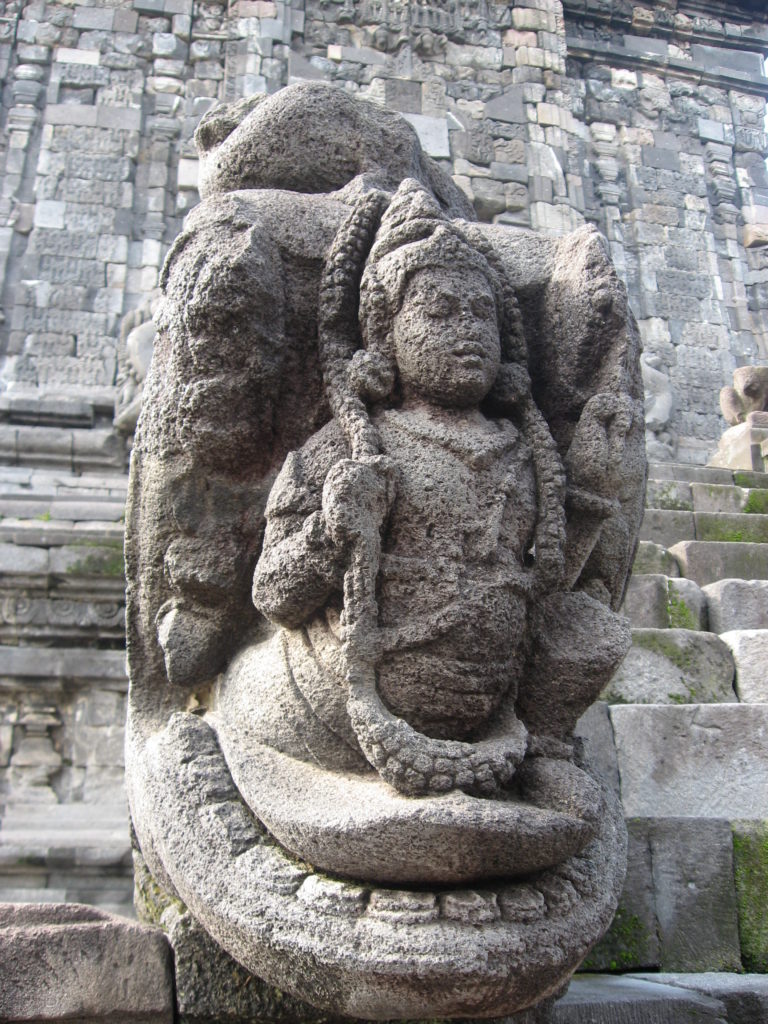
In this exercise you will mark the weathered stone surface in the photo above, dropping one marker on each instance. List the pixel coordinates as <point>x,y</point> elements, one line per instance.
<point>737,604</point>
<point>629,1000</point>
<point>750,856</point>
<point>660,602</point>
<point>653,559</point>
<point>708,561</point>
<point>748,394</point>
<point>332,610</point>
<point>750,654</point>
<point>667,526</point>
<point>744,996</point>
<point>695,897</point>
<point>731,526</point>
<point>674,666</point>
<point>66,961</point>
<point>722,498</point>
<point>709,760</point>
<point>633,941</point>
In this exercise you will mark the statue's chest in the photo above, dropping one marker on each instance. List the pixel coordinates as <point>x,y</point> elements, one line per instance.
<point>459,498</point>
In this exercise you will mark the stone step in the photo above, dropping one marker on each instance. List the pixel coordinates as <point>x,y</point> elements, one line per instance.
<point>63,567</point>
<point>692,760</point>
<point>20,506</point>
<point>52,484</point>
<point>683,472</point>
<point>654,559</point>
<point>729,499</point>
<point>53,534</point>
<point>709,561</point>
<point>607,999</point>
<point>674,666</point>
<point>658,601</point>
<point>668,526</point>
<point>750,654</point>
<point>72,664</point>
<point>736,604</point>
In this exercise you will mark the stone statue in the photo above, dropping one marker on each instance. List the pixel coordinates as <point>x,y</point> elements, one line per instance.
<point>134,354</point>
<point>660,439</point>
<point>748,396</point>
<point>386,489</point>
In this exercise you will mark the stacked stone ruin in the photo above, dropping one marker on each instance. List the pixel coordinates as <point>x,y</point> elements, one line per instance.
<point>645,120</point>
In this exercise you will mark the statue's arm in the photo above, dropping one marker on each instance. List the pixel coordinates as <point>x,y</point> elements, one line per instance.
<point>300,565</point>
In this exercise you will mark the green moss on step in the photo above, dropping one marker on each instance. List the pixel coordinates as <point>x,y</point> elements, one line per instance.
<point>750,862</point>
<point>680,615</point>
<point>659,643</point>
<point>106,559</point>
<point>624,947</point>
<point>757,502</point>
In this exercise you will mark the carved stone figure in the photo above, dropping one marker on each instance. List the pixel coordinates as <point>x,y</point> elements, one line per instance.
<point>660,439</point>
<point>748,395</point>
<point>385,494</point>
<point>134,354</point>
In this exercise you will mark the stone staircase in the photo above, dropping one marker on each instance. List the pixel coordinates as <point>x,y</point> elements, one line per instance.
<point>681,735</point>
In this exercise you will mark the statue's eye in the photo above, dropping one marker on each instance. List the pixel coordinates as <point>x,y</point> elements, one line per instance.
<point>441,304</point>
<point>483,307</point>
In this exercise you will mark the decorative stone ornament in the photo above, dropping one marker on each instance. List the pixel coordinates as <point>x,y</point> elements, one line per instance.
<point>385,494</point>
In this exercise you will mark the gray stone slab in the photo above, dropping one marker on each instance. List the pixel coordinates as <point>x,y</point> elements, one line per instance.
<point>64,663</point>
<point>695,894</point>
<point>17,560</point>
<point>61,961</point>
<point>750,654</point>
<point>633,938</point>
<point>673,666</point>
<point>507,107</point>
<point>737,604</point>
<point>750,857</point>
<point>653,558</point>
<point>602,999</point>
<point>696,760</point>
<point>667,526</point>
<point>745,996</point>
<point>723,498</point>
<point>708,561</point>
<point>731,526</point>
<point>598,750</point>
<point>661,602</point>
<point>669,494</point>
<point>691,474</point>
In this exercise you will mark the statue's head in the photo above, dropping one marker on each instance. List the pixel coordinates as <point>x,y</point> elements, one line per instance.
<point>433,307</point>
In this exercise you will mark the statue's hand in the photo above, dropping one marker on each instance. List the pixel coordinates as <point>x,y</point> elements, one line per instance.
<point>596,457</point>
<point>357,497</point>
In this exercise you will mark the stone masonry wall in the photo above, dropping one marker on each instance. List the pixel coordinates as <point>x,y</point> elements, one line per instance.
<point>648,121</point>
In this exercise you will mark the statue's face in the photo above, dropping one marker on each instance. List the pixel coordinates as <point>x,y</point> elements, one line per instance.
<point>446,337</point>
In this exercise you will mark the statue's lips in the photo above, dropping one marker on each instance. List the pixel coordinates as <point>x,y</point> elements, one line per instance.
<point>357,826</point>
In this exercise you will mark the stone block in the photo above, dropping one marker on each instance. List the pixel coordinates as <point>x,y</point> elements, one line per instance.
<point>432,132</point>
<point>93,18</point>
<point>633,938</point>
<point>61,961</point>
<point>695,760</point>
<point>731,526</point>
<point>71,113</point>
<point>744,996</point>
<point>645,603</point>
<point>667,526</point>
<point>507,107</point>
<point>669,494</point>
<point>695,895</point>
<point>22,560</point>
<point>729,499</point>
<point>737,604</point>
<point>654,559</point>
<point>601,999</point>
<point>750,856</point>
<point>750,654</point>
<point>597,748</point>
<point>708,561</point>
<point>673,666</point>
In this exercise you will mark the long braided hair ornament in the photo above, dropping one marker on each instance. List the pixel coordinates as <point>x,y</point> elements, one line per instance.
<point>370,276</point>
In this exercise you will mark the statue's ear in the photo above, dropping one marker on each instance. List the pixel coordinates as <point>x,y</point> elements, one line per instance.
<point>371,375</point>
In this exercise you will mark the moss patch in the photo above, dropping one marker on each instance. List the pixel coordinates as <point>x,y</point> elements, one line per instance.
<point>750,863</point>
<point>680,615</point>
<point>757,502</point>
<point>624,947</point>
<point>656,641</point>
<point>104,559</point>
